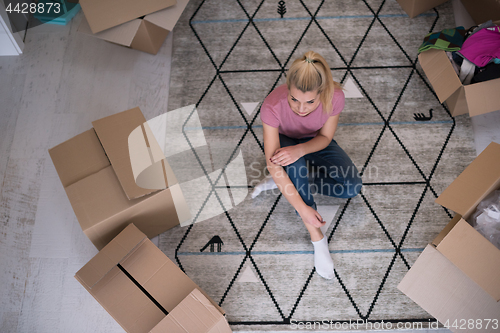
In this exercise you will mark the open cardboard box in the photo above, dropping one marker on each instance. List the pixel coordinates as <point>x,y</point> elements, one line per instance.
<point>474,99</point>
<point>483,10</point>
<point>458,275</point>
<point>96,172</point>
<point>145,291</point>
<point>140,25</point>
<point>417,7</point>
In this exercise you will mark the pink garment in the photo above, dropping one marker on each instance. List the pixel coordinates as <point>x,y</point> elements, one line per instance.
<point>483,46</point>
<point>276,112</point>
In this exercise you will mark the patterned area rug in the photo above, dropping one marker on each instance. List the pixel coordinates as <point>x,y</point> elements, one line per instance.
<point>228,55</point>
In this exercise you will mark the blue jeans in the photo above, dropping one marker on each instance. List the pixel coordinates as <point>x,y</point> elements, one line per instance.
<point>332,171</point>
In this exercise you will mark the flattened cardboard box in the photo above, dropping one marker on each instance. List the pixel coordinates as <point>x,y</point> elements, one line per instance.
<point>145,291</point>
<point>417,7</point>
<point>145,34</point>
<point>474,99</point>
<point>458,275</point>
<point>96,172</point>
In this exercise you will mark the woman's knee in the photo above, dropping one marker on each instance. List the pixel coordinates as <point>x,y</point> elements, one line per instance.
<point>297,169</point>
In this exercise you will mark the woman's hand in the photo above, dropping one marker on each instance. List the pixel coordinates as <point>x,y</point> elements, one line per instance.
<point>310,216</point>
<point>287,155</point>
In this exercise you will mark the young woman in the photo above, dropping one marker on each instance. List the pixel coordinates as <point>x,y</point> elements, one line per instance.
<point>299,120</point>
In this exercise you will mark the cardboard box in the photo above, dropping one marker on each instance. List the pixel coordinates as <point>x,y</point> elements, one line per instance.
<point>474,99</point>
<point>458,275</point>
<point>483,10</point>
<point>145,291</point>
<point>445,292</point>
<point>417,7</point>
<point>96,172</point>
<point>105,14</point>
<point>140,25</point>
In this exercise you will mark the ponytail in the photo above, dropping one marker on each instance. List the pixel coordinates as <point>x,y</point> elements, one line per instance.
<point>311,72</point>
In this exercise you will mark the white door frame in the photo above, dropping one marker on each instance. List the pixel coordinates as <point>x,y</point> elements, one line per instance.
<point>15,37</point>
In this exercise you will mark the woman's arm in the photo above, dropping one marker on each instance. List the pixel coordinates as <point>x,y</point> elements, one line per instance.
<point>271,144</point>
<point>288,155</point>
<point>323,138</point>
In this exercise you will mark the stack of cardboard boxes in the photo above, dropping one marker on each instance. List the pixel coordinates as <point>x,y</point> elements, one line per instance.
<point>130,277</point>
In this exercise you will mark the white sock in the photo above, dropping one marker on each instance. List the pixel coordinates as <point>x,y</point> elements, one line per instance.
<point>322,259</point>
<point>265,184</point>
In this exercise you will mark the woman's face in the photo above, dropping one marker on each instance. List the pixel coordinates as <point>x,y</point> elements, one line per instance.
<point>303,103</point>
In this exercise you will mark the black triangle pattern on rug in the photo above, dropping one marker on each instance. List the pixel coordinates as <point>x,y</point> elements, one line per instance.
<point>278,65</point>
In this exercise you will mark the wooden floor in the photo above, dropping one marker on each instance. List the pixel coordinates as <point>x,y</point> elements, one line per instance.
<point>62,82</point>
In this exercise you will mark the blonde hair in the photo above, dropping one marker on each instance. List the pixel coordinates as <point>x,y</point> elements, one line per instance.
<point>311,72</point>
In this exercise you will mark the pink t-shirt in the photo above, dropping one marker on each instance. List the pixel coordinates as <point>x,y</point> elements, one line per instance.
<point>276,112</point>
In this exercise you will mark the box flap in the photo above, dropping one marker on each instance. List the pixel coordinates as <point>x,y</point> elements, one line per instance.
<point>167,18</point>
<point>457,103</point>
<point>149,38</point>
<point>149,166</point>
<point>440,72</point>
<point>103,210</point>
<point>156,27</point>
<point>98,197</point>
<point>474,183</point>
<point>476,256</point>
<point>79,157</point>
<point>105,14</point>
<point>195,314</point>
<point>221,326</point>
<point>445,292</point>
<point>110,256</point>
<point>152,269</point>
<point>113,132</point>
<point>483,97</point>
<point>122,34</point>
